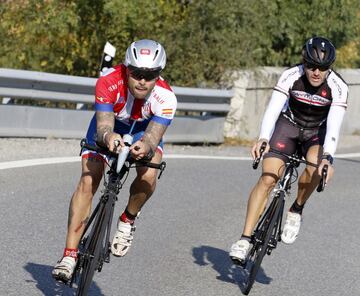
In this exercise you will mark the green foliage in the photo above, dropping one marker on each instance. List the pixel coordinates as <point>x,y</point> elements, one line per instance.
<point>204,39</point>
<point>38,35</point>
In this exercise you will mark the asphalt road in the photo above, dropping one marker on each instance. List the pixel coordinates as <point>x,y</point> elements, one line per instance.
<point>183,235</point>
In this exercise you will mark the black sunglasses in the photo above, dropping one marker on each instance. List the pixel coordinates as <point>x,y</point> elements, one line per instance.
<point>139,74</point>
<point>313,67</point>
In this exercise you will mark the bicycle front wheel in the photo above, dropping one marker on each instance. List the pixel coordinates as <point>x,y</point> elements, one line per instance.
<point>92,251</point>
<point>260,248</point>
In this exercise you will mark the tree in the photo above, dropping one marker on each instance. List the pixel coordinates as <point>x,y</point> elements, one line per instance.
<point>40,35</point>
<point>204,39</point>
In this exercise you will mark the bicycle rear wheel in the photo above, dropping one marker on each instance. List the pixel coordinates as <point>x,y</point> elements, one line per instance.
<point>267,228</point>
<point>90,260</point>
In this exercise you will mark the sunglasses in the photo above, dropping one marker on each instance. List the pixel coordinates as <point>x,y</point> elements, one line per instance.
<point>313,67</point>
<point>139,74</point>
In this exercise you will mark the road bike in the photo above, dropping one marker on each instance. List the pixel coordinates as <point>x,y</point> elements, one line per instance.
<point>94,247</point>
<point>269,228</point>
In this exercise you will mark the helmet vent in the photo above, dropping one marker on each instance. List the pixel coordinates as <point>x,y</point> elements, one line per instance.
<point>156,54</point>
<point>134,50</point>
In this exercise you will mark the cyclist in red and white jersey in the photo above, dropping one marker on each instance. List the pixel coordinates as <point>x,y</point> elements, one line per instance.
<point>306,110</point>
<point>127,92</point>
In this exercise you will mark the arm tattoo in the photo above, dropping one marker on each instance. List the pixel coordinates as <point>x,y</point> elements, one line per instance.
<point>153,134</point>
<point>105,122</point>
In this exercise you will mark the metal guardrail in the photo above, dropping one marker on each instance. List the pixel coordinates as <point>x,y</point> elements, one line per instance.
<point>32,121</point>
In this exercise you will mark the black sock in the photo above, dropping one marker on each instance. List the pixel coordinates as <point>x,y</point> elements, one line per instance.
<point>245,237</point>
<point>296,208</point>
<point>129,215</point>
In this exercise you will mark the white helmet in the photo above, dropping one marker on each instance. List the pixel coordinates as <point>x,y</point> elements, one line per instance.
<point>147,54</point>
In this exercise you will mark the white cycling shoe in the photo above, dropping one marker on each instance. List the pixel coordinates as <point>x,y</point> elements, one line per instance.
<point>239,251</point>
<point>64,269</point>
<point>122,239</point>
<point>291,228</point>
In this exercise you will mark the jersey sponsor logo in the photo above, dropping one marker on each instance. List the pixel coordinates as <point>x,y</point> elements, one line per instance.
<point>337,86</point>
<point>290,74</point>
<point>145,51</point>
<point>112,87</point>
<point>307,98</point>
<point>158,98</point>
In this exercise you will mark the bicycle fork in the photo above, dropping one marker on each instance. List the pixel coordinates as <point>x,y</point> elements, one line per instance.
<point>259,234</point>
<point>276,232</point>
<point>104,211</point>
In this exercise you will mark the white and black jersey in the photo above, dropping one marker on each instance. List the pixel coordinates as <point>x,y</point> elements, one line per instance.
<point>307,105</point>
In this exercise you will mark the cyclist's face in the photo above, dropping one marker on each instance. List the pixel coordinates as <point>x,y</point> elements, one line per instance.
<point>139,86</point>
<point>315,75</point>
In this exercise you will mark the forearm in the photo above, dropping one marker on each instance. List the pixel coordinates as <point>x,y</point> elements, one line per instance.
<point>333,125</point>
<point>105,122</point>
<point>153,134</point>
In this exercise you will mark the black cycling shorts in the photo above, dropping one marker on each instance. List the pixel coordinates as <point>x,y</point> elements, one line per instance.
<point>289,138</point>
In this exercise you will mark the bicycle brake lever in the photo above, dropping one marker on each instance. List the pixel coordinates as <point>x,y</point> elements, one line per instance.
<point>256,163</point>
<point>162,168</point>
<point>257,160</point>
<point>82,144</point>
<point>322,182</point>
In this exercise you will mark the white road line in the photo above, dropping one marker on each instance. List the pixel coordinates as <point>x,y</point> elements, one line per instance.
<point>54,160</point>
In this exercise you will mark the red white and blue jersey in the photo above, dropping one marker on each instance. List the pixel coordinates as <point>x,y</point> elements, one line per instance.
<point>112,95</point>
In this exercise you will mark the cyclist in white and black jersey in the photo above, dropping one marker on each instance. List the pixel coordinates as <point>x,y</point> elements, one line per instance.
<point>306,110</point>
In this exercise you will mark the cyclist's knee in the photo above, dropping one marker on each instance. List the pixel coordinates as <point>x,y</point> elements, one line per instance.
<point>88,184</point>
<point>149,178</point>
<point>267,181</point>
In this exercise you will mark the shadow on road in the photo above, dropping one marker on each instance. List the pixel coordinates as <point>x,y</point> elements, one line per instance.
<point>228,271</point>
<point>48,286</point>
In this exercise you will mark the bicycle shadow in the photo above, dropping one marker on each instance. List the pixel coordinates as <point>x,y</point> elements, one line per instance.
<point>228,271</point>
<point>48,286</point>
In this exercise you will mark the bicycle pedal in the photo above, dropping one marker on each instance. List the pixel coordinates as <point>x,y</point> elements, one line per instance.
<point>272,245</point>
<point>241,263</point>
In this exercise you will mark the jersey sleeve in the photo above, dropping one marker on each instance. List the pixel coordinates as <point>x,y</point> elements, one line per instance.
<point>164,112</point>
<point>271,115</point>
<point>104,99</point>
<point>287,79</point>
<point>163,106</point>
<point>339,90</point>
<point>334,121</point>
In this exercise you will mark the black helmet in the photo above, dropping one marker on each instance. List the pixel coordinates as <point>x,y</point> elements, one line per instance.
<point>319,51</point>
